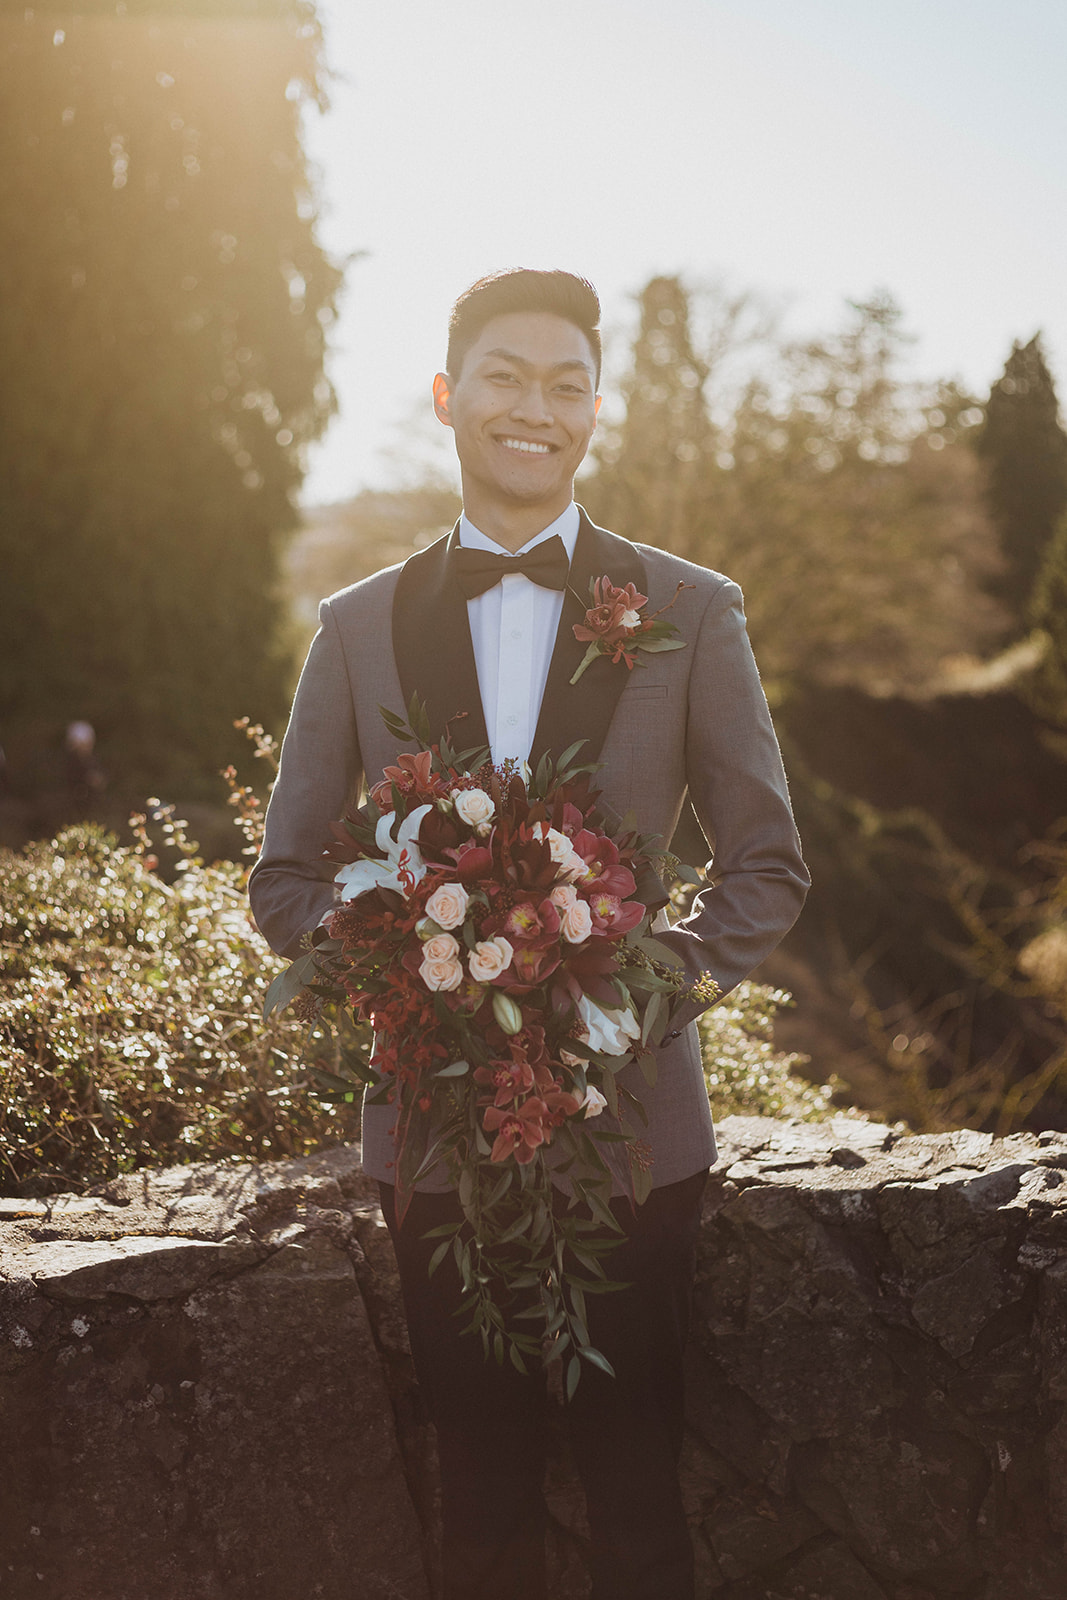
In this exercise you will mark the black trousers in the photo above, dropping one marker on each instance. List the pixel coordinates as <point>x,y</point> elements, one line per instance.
<point>626,1432</point>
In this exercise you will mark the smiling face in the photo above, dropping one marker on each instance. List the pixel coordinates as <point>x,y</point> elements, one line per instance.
<point>523,410</point>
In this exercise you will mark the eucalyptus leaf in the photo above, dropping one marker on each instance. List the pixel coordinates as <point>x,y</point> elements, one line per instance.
<point>569,754</point>
<point>288,984</point>
<point>655,1009</point>
<point>597,1359</point>
<point>642,1182</point>
<point>655,646</point>
<point>438,1256</point>
<point>658,951</point>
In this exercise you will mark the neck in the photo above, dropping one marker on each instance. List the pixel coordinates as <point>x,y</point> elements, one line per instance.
<point>510,526</point>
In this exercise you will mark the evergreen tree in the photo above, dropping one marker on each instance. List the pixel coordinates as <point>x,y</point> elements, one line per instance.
<point>843,499</point>
<point>1024,449</point>
<point>163,310</point>
<point>1048,611</point>
<point>652,461</point>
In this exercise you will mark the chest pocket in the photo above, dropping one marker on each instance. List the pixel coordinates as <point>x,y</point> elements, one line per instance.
<point>646,691</point>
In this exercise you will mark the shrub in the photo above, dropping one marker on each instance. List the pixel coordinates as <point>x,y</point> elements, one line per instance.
<point>745,1074</point>
<point>130,1029</point>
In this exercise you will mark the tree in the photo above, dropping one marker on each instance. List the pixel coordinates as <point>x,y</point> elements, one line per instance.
<point>1024,449</point>
<point>1047,691</point>
<point>163,313</point>
<point>650,463</point>
<point>841,498</point>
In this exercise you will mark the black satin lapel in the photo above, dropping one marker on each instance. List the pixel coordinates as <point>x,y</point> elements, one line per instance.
<point>432,646</point>
<point>584,710</point>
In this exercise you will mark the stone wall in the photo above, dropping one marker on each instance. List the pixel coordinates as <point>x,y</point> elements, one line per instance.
<point>206,1393</point>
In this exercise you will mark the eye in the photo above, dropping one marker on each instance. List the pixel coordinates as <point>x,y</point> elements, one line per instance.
<point>502,377</point>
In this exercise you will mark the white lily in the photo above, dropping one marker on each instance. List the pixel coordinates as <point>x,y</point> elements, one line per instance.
<point>356,877</point>
<point>594,1102</point>
<point>610,1029</point>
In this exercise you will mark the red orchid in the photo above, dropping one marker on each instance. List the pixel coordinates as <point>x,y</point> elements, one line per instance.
<point>508,1080</point>
<point>613,917</point>
<point>412,775</point>
<point>518,1132</point>
<point>604,620</point>
<point>614,626</point>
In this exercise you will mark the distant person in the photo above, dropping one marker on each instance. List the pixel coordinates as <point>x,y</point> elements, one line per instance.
<point>85,777</point>
<point>498,645</point>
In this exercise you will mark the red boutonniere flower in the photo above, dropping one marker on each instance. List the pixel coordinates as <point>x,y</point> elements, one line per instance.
<point>614,625</point>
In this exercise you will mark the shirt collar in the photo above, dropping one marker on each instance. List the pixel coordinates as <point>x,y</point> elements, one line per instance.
<point>566,525</point>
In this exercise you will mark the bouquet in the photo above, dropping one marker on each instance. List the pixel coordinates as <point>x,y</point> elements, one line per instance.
<point>491,929</point>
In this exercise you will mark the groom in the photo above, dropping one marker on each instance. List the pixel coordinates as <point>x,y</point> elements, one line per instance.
<point>480,625</point>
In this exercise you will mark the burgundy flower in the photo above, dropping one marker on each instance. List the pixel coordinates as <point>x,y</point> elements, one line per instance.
<point>614,917</point>
<point>412,775</point>
<point>610,616</point>
<point>519,1133</point>
<point>472,861</point>
<point>507,1079</point>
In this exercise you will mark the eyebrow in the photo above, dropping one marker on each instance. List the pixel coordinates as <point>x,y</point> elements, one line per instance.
<point>520,361</point>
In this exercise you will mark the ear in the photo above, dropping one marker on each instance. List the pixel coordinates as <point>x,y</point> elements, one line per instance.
<point>442,395</point>
<point>596,404</point>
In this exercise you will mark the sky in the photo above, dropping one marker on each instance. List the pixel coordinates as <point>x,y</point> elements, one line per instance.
<point>810,153</point>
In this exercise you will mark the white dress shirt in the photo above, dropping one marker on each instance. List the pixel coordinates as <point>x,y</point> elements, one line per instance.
<point>513,629</point>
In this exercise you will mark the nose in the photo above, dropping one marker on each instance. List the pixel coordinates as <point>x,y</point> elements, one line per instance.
<point>531,406</point>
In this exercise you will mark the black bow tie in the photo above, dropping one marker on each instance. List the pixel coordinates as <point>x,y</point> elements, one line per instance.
<point>479,570</point>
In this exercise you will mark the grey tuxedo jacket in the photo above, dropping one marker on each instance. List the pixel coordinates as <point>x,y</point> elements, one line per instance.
<point>691,720</point>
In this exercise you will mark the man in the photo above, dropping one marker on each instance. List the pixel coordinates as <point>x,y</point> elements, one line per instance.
<point>479,637</point>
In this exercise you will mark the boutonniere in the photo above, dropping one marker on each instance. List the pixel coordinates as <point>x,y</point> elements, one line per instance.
<point>614,625</point>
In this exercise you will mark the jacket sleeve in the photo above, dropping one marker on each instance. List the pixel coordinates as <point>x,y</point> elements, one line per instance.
<point>757,880</point>
<point>318,776</point>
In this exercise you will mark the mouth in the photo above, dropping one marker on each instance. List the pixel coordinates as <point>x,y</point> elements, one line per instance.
<point>527,447</point>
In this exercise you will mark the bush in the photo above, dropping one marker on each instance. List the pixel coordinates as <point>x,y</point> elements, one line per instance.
<point>745,1075</point>
<point>130,1031</point>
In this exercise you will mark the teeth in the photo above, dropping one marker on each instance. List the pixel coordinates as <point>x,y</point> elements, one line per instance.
<point>530,449</point>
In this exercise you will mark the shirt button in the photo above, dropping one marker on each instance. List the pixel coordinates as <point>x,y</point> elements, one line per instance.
<point>516,633</point>
<point>512,720</point>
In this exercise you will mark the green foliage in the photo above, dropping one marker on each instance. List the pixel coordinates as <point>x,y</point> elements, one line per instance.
<point>651,463</point>
<point>843,500</point>
<point>130,1029</point>
<point>746,1075</point>
<point>131,1032</point>
<point>1047,691</point>
<point>1024,448</point>
<point>163,312</point>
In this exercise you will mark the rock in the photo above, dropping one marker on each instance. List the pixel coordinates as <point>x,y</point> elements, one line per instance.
<point>140,1268</point>
<point>199,1420</point>
<point>829,1571</point>
<point>206,1381</point>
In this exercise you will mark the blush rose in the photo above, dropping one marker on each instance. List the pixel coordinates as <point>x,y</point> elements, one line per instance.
<point>448,905</point>
<point>489,958</point>
<point>441,967</point>
<point>576,922</point>
<point>474,807</point>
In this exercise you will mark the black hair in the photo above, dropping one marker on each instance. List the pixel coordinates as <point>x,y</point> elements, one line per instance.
<point>522,289</point>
